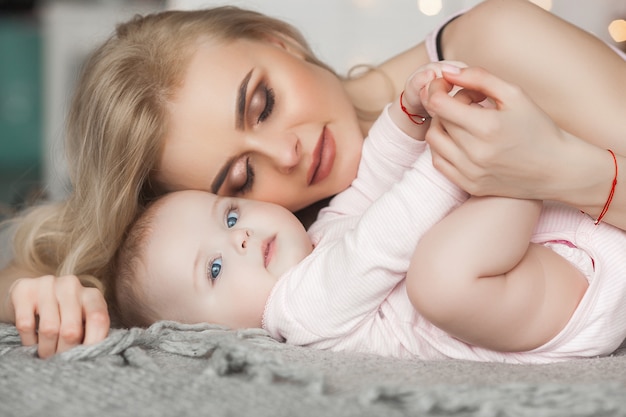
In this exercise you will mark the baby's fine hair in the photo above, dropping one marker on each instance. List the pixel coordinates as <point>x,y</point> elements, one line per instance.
<point>115,128</point>
<point>127,295</point>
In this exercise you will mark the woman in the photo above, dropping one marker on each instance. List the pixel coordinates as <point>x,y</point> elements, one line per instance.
<point>235,103</point>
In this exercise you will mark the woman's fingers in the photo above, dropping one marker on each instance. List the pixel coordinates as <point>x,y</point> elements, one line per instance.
<point>23,299</point>
<point>49,318</point>
<point>97,321</point>
<point>68,290</point>
<point>446,155</point>
<point>455,108</point>
<point>501,147</point>
<point>481,81</point>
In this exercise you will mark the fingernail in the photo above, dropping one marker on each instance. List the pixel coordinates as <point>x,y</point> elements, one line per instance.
<point>450,69</point>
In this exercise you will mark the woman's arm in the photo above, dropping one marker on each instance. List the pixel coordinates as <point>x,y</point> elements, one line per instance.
<point>549,58</point>
<point>574,77</point>
<point>571,75</point>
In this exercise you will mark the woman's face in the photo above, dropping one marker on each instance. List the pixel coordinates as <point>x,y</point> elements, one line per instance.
<point>253,119</point>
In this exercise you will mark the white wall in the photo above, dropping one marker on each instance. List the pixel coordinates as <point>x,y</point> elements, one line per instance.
<point>344,33</point>
<point>348,32</point>
<point>592,15</point>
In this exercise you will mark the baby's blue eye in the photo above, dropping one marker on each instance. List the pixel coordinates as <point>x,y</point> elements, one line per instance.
<point>231,218</point>
<point>215,268</point>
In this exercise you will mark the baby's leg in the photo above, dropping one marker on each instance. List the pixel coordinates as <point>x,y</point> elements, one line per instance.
<point>476,276</point>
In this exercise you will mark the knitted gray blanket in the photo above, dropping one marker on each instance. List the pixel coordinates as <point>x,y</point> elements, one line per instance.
<point>177,370</point>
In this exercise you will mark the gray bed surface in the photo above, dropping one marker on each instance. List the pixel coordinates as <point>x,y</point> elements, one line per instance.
<point>179,370</point>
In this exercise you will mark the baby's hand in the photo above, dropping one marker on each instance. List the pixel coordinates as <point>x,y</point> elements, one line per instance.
<point>57,313</point>
<point>409,112</point>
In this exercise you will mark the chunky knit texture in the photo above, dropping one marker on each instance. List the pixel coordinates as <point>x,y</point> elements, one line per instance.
<point>177,370</point>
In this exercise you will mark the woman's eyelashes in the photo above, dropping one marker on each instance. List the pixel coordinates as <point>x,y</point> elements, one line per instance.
<point>249,178</point>
<point>269,104</point>
<point>260,107</point>
<point>261,104</point>
<point>242,176</point>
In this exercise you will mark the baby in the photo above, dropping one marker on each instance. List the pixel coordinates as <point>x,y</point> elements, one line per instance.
<point>402,263</point>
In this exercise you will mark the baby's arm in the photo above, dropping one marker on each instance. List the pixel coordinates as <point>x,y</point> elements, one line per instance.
<point>389,150</point>
<point>345,280</point>
<point>476,276</point>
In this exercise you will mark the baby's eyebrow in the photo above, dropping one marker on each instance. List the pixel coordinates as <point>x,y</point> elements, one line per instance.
<point>197,264</point>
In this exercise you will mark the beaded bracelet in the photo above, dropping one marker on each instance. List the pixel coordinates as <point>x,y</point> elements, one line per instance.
<point>610,197</point>
<point>420,119</point>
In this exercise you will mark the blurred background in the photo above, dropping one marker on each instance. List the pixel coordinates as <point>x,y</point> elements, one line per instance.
<point>44,43</point>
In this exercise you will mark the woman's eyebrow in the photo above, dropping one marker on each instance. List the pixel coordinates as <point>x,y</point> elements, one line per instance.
<point>241,100</point>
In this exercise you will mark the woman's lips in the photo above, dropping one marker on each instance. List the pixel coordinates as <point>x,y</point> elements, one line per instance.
<point>323,158</point>
<point>268,250</point>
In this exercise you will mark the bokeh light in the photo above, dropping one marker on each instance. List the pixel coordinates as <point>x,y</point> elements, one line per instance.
<point>617,30</point>
<point>545,4</point>
<point>430,7</point>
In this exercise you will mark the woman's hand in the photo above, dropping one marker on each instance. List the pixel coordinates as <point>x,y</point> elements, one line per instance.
<point>408,112</point>
<point>57,313</point>
<point>508,147</point>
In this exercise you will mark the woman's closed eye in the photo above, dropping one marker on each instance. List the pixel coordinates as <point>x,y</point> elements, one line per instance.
<point>242,176</point>
<point>262,104</point>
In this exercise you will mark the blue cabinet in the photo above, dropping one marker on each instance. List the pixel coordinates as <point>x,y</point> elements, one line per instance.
<point>20,106</point>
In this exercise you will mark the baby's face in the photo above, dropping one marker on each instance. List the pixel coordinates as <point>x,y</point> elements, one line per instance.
<point>216,259</point>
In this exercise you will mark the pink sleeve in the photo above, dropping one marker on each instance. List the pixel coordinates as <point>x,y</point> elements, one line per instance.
<point>387,153</point>
<point>341,285</point>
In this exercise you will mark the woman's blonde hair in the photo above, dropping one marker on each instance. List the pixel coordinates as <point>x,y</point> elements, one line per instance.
<point>117,119</point>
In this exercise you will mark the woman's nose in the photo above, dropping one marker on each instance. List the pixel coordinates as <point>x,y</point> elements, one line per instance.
<point>284,151</point>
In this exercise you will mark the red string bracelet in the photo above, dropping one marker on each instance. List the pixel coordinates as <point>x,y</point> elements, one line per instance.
<point>610,197</point>
<point>421,119</point>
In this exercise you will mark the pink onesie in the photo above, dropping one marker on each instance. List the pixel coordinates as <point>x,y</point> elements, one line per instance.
<point>349,294</point>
